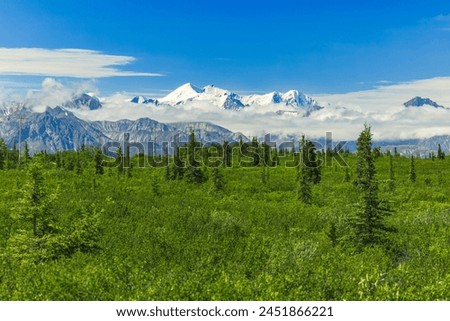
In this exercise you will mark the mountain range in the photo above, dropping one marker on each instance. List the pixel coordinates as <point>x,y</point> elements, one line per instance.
<point>60,127</point>
<point>188,94</point>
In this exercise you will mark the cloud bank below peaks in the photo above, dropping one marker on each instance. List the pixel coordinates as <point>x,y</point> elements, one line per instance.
<point>344,115</point>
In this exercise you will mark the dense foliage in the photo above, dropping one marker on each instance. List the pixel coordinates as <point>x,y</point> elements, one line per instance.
<point>70,230</point>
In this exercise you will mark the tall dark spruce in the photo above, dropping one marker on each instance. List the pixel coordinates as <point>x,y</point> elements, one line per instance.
<point>370,225</point>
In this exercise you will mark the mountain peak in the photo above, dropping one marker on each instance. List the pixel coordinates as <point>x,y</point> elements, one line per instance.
<point>188,86</point>
<point>297,99</point>
<point>84,100</point>
<point>419,102</point>
<point>182,93</point>
<point>144,100</point>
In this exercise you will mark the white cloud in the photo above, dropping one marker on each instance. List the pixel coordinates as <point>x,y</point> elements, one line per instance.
<point>77,63</point>
<point>345,115</point>
<point>383,108</point>
<point>54,93</point>
<point>389,99</point>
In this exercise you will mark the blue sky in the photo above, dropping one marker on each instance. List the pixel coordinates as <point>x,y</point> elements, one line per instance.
<point>314,46</point>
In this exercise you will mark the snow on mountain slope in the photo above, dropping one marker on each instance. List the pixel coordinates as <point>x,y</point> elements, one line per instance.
<point>263,100</point>
<point>181,94</point>
<point>298,99</point>
<point>273,102</point>
<point>218,97</point>
<point>210,95</point>
<point>144,100</point>
<point>84,100</point>
<point>292,98</point>
<point>420,102</point>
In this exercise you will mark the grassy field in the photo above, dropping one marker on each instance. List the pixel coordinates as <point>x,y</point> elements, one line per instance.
<point>147,238</point>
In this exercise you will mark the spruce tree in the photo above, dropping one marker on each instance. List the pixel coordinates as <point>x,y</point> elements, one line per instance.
<point>178,166</point>
<point>310,160</point>
<point>205,156</point>
<point>239,151</point>
<point>167,173</point>
<point>70,165</point>
<point>227,154</point>
<point>276,159</point>
<point>194,172</point>
<point>391,181</point>
<point>256,152</point>
<point>129,170</point>
<point>58,160</point>
<point>266,154</point>
<point>98,160</point>
<point>34,206</point>
<point>9,160</point>
<point>217,178</point>
<point>304,177</point>
<point>38,236</point>
<point>119,160</point>
<point>78,165</point>
<point>377,152</point>
<point>14,157</point>
<point>412,169</point>
<point>440,153</point>
<point>305,189</point>
<point>26,153</point>
<point>3,153</point>
<point>128,163</point>
<point>156,188</point>
<point>264,164</point>
<point>369,225</point>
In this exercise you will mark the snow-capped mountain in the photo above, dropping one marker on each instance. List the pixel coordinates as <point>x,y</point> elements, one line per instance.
<point>420,102</point>
<point>297,99</point>
<point>261,100</point>
<point>182,94</point>
<point>220,97</point>
<point>290,102</point>
<point>144,100</point>
<point>83,100</point>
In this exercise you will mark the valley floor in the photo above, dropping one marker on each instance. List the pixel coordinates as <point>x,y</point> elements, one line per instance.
<point>147,238</point>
